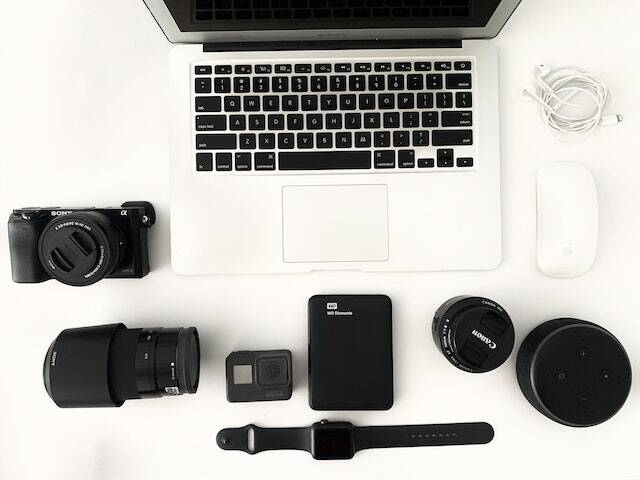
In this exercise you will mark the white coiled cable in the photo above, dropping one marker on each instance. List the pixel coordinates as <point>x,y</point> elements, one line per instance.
<point>556,92</point>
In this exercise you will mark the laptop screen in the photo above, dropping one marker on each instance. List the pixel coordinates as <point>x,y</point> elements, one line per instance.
<point>446,18</point>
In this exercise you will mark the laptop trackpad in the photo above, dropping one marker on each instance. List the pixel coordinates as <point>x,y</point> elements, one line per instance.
<point>335,223</point>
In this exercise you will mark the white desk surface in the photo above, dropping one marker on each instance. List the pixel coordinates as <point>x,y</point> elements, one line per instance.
<point>83,94</point>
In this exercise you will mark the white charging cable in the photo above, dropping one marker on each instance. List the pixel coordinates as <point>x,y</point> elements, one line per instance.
<point>567,119</point>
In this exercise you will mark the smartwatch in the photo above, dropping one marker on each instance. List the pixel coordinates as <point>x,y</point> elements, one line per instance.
<point>341,440</point>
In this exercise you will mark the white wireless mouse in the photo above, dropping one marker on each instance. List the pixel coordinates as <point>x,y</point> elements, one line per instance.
<point>567,219</point>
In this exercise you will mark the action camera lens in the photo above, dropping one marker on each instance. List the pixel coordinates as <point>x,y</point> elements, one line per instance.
<point>106,365</point>
<point>80,248</point>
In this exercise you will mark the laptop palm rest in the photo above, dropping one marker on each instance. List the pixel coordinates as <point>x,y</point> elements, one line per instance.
<point>335,223</point>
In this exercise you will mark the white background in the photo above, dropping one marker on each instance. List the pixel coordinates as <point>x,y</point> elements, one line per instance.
<point>83,120</point>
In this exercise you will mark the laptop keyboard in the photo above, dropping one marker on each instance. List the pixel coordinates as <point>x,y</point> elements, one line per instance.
<point>381,116</point>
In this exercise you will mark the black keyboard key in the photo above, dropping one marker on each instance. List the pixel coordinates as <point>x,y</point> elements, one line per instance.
<point>328,102</point>
<point>243,162</point>
<point>410,119</point>
<point>203,85</point>
<point>420,138</point>
<point>363,139</point>
<point>382,138</point>
<point>318,84</point>
<point>232,104</point>
<point>203,70</point>
<point>338,83</point>
<point>303,68</point>
<point>305,140</point>
<point>283,68</point>
<point>406,159</point>
<point>456,118</point>
<point>251,103</point>
<point>386,101</point>
<point>248,141</point>
<point>353,121</point>
<point>241,85</point>
<point>415,82</point>
<point>391,120</point>
<point>458,81</point>
<point>314,121</point>
<point>363,67</point>
<point>444,100</point>
<point>295,121</point>
<point>406,100</point>
<point>333,121</point>
<point>208,104</point>
<point>309,103</point>
<point>280,84</point>
<point>402,66</point>
<point>422,66</point>
<point>265,161</point>
<point>211,122</point>
<point>464,162</point>
<point>445,157</point>
<point>434,81</point>
<point>262,69</point>
<point>204,162</point>
<point>424,100</point>
<point>384,159</point>
<point>260,84</point>
<point>376,82</point>
<point>442,66</point>
<point>347,102</point>
<point>343,140</point>
<point>382,67</point>
<point>299,84</point>
<point>216,141</point>
<point>243,69</point>
<point>322,68</point>
<point>430,119</point>
<point>290,103</point>
<point>462,65</point>
<point>223,69</point>
<point>257,122</point>
<point>367,101</point>
<point>395,82</point>
<point>371,120</point>
<point>223,162</point>
<point>343,67</point>
<point>271,103</point>
<point>426,163</point>
<point>275,122</point>
<point>285,141</point>
<point>237,122</point>
<point>356,83</point>
<point>463,100</point>
<point>324,140</point>
<point>336,160</point>
<point>267,141</point>
<point>452,137</point>
<point>401,138</point>
<point>221,85</point>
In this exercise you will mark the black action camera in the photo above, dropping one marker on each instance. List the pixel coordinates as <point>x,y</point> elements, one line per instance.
<point>259,376</point>
<point>79,246</point>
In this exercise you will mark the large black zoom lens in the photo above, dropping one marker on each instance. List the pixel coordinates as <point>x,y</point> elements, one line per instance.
<point>105,365</point>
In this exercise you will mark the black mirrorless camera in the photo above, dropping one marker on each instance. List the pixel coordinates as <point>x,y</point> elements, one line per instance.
<point>79,246</point>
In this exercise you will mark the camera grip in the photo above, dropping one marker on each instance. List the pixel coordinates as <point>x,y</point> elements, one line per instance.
<point>23,247</point>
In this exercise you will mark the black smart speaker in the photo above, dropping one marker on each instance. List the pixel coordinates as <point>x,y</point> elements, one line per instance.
<point>574,372</point>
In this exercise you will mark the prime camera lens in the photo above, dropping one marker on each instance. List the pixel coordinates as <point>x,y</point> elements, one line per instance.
<point>81,248</point>
<point>105,365</point>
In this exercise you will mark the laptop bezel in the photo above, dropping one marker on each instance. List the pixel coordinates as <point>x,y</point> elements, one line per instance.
<point>166,22</point>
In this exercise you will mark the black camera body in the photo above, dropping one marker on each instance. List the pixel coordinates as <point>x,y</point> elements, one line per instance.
<point>79,246</point>
<point>259,376</point>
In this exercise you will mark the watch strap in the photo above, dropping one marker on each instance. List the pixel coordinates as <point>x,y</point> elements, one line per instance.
<point>422,435</point>
<point>264,439</point>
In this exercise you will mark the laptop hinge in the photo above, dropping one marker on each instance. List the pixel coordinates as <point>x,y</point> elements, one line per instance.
<point>331,45</point>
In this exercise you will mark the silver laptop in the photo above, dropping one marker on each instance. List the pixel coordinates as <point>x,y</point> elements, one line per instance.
<point>333,134</point>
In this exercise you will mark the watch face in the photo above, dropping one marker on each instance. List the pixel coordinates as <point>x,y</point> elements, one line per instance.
<point>332,441</point>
